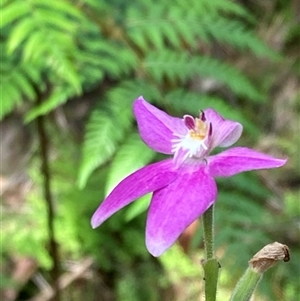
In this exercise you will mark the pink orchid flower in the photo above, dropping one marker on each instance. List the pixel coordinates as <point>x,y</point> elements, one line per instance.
<point>183,186</point>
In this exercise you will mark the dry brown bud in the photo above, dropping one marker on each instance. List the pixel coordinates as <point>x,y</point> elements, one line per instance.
<point>268,256</point>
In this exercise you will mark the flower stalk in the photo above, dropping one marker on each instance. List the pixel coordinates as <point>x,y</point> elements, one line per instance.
<point>246,285</point>
<point>211,276</point>
<point>208,226</point>
<point>210,265</point>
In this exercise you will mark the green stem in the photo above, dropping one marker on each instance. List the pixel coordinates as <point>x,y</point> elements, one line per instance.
<point>246,286</point>
<point>210,265</point>
<point>208,225</point>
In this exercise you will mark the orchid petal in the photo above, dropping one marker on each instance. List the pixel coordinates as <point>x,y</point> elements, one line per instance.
<point>180,157</point>
<point>174,207</point>
<point>156,127</point>
<point>240,159</point>
<point>139,183</point>
<point>225,132</point>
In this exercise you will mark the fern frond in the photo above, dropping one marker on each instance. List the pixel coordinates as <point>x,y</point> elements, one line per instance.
<point>103,134</point>
<point>246,205</point>
<point>137,208</point>
<point>101,56</point>
<point>58,97</point>
<point>17,81</point>
<point>234,33</point>
<point>12,11</point>
<point>248,184</point>
<point>176,66</point>
<point>108,124</point>
<point>63,7</point>
<point>10,97</point>
<point>131,155</point>
<point>161,25</point>
<point>45,30</point>
<point>132,90</point>
<point>104,131</point>
<point>215,7</point>
<point>158,27</point>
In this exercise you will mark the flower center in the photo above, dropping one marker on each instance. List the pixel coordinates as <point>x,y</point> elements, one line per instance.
<point>198,128</point>
<point>195,142</point>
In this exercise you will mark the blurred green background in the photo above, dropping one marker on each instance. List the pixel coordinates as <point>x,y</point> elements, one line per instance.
<point>70,71</point>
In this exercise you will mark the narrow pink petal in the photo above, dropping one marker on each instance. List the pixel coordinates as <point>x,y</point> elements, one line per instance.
<point>156,127</point>
<point>174,207</point>
<point>143,181</point>
<point>240,159</point>
<point>225,132</point>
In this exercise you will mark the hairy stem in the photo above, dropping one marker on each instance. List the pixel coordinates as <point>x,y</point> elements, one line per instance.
<point>246,286</point>
<point>208,226</point>
<point>210,265</point>
<point>45,171</point>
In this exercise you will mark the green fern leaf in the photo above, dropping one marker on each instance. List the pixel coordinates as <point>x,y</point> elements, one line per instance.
<point>20,32</point>
<point>30,51</point>
<point>12,12</point>
<point>217,7</point>
<point>64,7</point>
<point>17,82</point>
<point>55,21</point>
<point>234,33</point>
<point>10,98</point>
<point>251,210</point>
<point>109,57</point>
<point>58,97</point>
<point>100,143</point>
<point>133,89</point>
<point>138,207</point>
<point>131,155</point>
<point>108,124</point>
<point>155,26</point>
<point>105,129</point>
<point>248,184</point>
<point>47,32</point>
<point>24,85</point>
<point>179,66</point>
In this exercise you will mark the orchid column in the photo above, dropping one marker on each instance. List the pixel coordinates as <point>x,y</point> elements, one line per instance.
<point>183,186</point>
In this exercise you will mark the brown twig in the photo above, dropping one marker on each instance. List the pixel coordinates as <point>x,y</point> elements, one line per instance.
<point>45,171</point>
